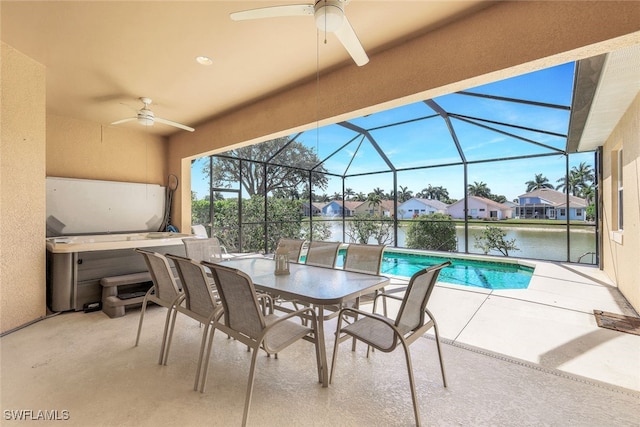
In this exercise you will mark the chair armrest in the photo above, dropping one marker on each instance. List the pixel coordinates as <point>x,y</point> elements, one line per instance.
<point>267,296</point>
<point>377,317</point>
<point>367,314</point>
<point>262,297</point>
<point>385,295</point>
<point>395,290</point>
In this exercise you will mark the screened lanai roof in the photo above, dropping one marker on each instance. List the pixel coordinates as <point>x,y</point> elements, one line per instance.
<point>520,117</point>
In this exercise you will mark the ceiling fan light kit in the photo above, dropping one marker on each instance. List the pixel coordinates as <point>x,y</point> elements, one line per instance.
<point>145,119</point>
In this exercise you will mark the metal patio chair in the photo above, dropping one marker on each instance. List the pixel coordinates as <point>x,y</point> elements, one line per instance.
<point>319,254</point>
<point>199,230</point>
<point>385,334</point>
<point>245,321</point>
<point>200,304</point>
<point>199,249</point>
<point>322,254</point>
<point>364,259</point>
<point>165,292</point>
<point>293,248</point>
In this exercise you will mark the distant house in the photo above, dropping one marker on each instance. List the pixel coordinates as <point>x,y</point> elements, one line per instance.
<point>415,206</point>
<point>514,208</point>
<point>480,208</point>
<point>334,208</point>
<point>316,209</point>
<point>385,208</point>
<point>545,203</point>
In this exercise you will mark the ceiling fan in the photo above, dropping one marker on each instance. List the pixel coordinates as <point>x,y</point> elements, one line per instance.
<point>329,16</point>
<point>146,117</point>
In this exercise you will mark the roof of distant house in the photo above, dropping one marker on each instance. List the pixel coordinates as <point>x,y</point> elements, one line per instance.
<point>349,204</point>
<point>434,203</point>
<point>555,198</point>
<point>486,201</point>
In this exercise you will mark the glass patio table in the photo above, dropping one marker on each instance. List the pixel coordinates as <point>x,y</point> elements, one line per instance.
<point>317,286</point>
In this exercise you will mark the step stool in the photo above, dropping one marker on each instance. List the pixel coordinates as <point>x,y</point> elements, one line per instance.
<point>114,305</point>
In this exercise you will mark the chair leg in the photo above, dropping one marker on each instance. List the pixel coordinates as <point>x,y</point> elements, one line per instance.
<point>205,362</point>
<point>142,311</point>
<point>163,346</point>
<point>437,333</point>
<point>316,342</point>
<point>205,335</point>
<point>165,356</point>
<point>335,349</point>
<point>414,398</point>
<point>384,303</point>
<point>353,342</point>
<point>247,400</point>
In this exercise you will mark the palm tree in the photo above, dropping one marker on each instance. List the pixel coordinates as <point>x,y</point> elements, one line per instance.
<point>540,181</point>
<point>360,197</point>
<point>336,196</point>
<point>479,189</point>
<point>584,171</point>
<point>570,184</point>
<point>349,193</point>
<point>434,193</point>
<point>378,191</point>
<point>404,194</point>
<point>588,192</point>
<point>374,200</point>
<point>580,177</point>
<point>427,192</point>
<point>440,193</point>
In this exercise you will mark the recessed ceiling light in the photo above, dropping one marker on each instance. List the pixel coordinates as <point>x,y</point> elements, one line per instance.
<point>204,60</point>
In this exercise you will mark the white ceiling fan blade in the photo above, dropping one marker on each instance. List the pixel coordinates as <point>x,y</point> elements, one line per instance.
<point>273,12</point>
<point>175,124</point>
<point>117,122</point>
<point>350,41</point>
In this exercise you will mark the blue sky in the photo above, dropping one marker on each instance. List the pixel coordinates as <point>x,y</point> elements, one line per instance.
<point>429,142</point>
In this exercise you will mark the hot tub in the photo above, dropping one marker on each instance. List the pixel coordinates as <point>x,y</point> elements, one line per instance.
<point>75,264</point>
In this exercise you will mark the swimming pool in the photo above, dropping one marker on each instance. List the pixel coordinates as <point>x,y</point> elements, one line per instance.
<point>462,271</point>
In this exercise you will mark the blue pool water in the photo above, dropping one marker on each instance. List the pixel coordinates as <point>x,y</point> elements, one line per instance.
<point>466,272</point>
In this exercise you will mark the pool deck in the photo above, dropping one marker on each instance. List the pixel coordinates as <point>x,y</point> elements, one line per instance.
<point>550,324</point>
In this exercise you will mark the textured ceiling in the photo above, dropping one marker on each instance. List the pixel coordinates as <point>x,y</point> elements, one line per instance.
<point>101,57</point>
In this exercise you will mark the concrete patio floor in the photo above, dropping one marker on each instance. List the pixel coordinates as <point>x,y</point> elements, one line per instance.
<point>513,357</point>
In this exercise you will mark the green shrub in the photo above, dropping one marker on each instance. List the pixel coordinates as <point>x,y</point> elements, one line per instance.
<point>493,238</point>
<point>434,232</point>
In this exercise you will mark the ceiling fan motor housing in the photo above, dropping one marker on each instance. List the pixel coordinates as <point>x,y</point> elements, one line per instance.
<point>329,15</point>
<point>146,117</point>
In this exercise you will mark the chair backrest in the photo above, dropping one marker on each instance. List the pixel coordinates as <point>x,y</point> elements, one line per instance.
<point>199,230</point>
<point>203,249</point>
<point>364,258</point>
<point>416,297</point>
<point>293,247</point>
<point>199,297</point>
<point>242,311</point>
<point>322,254</point>
<point>164,283</point>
